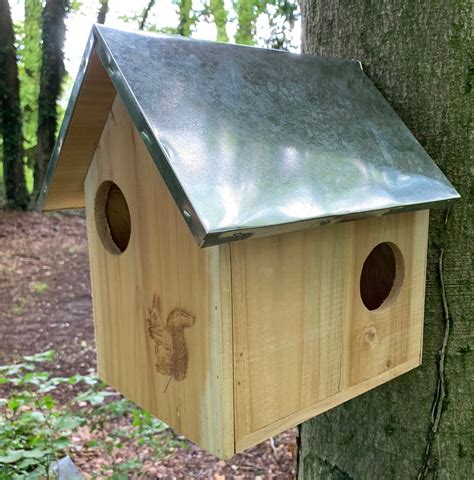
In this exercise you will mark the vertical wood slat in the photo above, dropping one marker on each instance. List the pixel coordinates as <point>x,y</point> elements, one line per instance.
<point>302,335</point>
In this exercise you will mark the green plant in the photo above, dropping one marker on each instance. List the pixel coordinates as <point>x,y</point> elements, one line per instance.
<point>19,305</point>
<point>38,287</point>
<point>35,429</point>
<point>147,437</point>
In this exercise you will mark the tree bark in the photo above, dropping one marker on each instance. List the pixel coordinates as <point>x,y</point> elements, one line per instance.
<point>219,13</point>
<point>52,74</point>
<point>29,75</point>
<point>420,55</point>
<point>247,14</point>
<point>10,115</point>
<point>103,10</point>
<point>186,17</point>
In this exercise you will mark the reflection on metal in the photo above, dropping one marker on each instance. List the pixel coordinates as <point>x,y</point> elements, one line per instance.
<point>257,142</point>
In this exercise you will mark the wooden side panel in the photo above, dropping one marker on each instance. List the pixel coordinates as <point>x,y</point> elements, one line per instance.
<point>90,114</point>
<point>162,279</point>
<point>303,340</point>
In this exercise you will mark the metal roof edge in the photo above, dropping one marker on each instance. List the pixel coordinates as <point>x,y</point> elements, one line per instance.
<point>158,153</point>
<point>225,236</point>
<point>156,150</point>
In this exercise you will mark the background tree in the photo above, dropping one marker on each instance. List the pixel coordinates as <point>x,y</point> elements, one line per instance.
<point>39,39</point>
<point>281,16</point>
<point>103,10</point>
<point>219,14</point>
<point>247,14</point>
<point>29,65</point>
<point>52,75</point>
<point>10,114</point>
<point>187,19</point>
<point>420,55</point>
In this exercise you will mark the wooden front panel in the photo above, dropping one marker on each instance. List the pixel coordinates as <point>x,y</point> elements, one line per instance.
<point>162,308</point>
<point>303,339</point>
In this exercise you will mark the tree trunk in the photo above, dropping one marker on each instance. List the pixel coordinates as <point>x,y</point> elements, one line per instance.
<point>219,13</point>
<point>419,54</point>
<point>29,75</point>
<point>186,17</point>
<point>247,14</point>
<point>10,115</point>
<point>103,10</point>
<point>52,74</point>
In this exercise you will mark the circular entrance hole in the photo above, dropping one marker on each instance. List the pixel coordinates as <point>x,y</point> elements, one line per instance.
<point>112,218</point>
<point>382,276</point>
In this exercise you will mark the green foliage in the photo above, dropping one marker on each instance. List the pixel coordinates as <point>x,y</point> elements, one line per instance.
<point>281,17</point>
<point>53,34</point>
<point>35,430</point>
<point>279,14</point>
<point>29,66</point>
<point>11,115</point>
<point>247,14</point>
<point>187,17</point>
<point>35,31</point>
<point>28,38</point>
<point>38,287</point>
<point>28,177</point>
<point>19,305</point>
<point>219,13</point>
<point>144,431</point>
<point>137,18</point>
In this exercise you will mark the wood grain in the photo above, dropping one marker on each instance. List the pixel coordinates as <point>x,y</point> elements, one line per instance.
<point>303,340</point>
<point>161,261</point>
<point>269,331</point>
<point>322,406</point>
<point>87,123</point>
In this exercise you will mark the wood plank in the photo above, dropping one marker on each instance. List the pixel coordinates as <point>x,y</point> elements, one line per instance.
<point>301,332</point>
<point>191,389</point>
<point>318,408</point>
<point>88,119</point>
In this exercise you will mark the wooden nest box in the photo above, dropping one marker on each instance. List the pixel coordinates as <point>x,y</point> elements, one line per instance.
<point>257,226</point>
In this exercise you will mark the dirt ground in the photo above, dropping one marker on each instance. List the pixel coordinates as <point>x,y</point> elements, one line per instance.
<point>45,303</point>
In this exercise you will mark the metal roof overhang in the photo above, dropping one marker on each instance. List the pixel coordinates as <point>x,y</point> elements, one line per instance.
<point>249,141</point>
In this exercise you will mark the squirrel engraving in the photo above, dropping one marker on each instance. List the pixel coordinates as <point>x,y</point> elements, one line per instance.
<point>170,345</point>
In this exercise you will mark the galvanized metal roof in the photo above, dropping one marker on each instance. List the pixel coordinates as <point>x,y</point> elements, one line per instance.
<point>256,142</point>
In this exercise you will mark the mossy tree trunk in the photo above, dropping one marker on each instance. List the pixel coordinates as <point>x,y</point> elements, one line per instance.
<point>219,13</point>
<point>10,114</point>
<point>52,74</point>
<point>420,55</point>
<point>187,19</point>
<point>247,15</point>
<point>29,75</point>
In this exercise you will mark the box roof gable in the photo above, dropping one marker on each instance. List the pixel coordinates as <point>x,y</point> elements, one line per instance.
<point>249,141</point>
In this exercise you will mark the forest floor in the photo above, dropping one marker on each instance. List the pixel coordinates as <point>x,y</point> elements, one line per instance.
<point>45,304</point>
